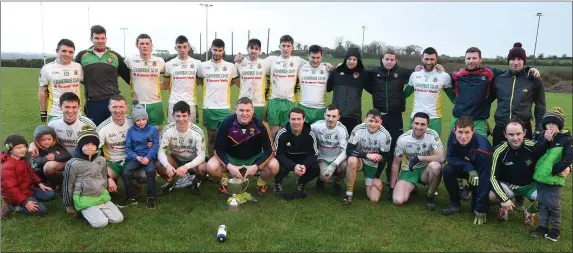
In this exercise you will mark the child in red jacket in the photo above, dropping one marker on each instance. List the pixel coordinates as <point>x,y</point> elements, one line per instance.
<point>22,189</point>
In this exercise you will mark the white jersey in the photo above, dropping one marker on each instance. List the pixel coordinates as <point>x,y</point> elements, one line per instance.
<point>313,85</point>
<point>112,139</point>
<point>67,135</point>
<point>217,78</point>
<point>146,78</point>
<point>331,142</point>
<point>182,76</point>
<point>59,79</point>
<point>429,92</point>
<point>284,73</point>
<point>253,79</point>
<point>410,146</point>
<point>183,146</point>
<point>367,142</point>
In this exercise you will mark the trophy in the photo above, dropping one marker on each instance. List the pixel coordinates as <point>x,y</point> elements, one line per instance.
<point>236,187</point>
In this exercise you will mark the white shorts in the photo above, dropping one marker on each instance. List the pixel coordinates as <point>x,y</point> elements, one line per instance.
<point>192,114</point>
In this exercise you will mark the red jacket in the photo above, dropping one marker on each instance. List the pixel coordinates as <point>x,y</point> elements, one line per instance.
<point>18,180</point>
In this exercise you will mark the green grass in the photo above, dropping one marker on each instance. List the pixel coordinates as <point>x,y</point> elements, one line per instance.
<point>186,222</point>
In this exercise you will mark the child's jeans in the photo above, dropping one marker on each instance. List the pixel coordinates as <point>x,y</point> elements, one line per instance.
<point>38,197</point>
<point>130,168</point>
<point>549,199</point>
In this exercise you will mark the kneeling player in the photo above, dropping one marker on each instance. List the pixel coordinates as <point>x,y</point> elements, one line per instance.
<point>425,154</point>
<point>186,145</point>
<point>368,144</point>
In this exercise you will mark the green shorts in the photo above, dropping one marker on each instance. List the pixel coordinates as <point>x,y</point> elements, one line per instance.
<point>117,167</point>
<point>413,177</point>
<point>312,115</point>
<point>480,126</point>
<point>369,171</point>
<point>525,191</point>
<point>435,124</point>
<point>155,113</point>
<point>247,162</point>
<point>260,112</point>
<point>278,110</point>
<point>213,117</point>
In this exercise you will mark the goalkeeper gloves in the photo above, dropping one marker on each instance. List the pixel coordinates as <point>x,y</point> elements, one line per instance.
<point>43,116</point>
<point>473,179</point>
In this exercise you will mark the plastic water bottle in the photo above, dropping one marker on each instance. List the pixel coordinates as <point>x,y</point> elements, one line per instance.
<point>222,233</point>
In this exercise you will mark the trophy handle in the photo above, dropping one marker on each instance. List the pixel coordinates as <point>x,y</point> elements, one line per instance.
<point>246,186</point>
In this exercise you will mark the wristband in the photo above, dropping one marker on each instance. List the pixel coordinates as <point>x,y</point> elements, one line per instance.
<point>43,116</point>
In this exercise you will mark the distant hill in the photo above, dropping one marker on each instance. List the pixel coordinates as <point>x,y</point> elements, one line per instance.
<point>24,55</point>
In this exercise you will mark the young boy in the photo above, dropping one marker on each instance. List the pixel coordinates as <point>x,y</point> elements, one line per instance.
<point>22,189</point>
<point>50,163</point>
<point>85,183</point>
<point>550,173</point>
<point>141,146</point>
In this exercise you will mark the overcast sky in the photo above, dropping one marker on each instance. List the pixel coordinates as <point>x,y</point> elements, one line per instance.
<point>449,27</point>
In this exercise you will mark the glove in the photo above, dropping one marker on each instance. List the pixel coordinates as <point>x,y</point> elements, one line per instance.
<point>412,162</point>
<point>390,193</point>
<point>43,116</point>
<point>473,179</point>
<point>480,218</point>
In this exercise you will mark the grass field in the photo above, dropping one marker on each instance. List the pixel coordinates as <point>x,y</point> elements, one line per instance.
<point>187,222</point>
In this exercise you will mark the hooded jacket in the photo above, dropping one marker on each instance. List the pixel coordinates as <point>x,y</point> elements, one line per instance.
<point>60,153</point>
<point>18,180</point>
<point>387,87</point>
<point>515,94</point>
<point>347,85</point>
<point>292,149</point>
<point>558,157</point>
<point>85,181</point>
<point>136,142</point>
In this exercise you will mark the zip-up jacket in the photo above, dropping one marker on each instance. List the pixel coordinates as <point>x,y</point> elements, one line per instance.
<point>85,181</point>
<point>347,85</point>
<point>100,74</point>
<point>136,142</point>
<point>292,149</point>
<point>515,166</point>
<point>387,88</point>
<point>558,157</point>
<point>60,153</point>
<point>515,94</point>
<point>472,93</point>
<point>232,141</point>
<point>18,180</point>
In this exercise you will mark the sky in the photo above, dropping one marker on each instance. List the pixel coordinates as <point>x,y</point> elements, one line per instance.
<point>450,27</point>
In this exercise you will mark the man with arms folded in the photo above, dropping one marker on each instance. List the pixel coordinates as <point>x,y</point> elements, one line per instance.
<point>313,77</point>
<point>424,153</point>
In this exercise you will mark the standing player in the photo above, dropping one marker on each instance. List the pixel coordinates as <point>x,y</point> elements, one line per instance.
<point>313,77</point>
<point>146,71</point>
<point>57,77</point>
<point>428,86</point>
<point>218,75</point>
<point>424,153</point>
<point>253,72</point>
<point>368,144</point>
<point>69,125</point>
<point>112,132</point>
<point>101,66</point>
<point>180,79</point>
<point>186,145</point>
<point>331,138</point>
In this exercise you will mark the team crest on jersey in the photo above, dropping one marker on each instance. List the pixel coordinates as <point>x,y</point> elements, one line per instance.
<point>154,63</point>
<point>251,130</point>
<point>528,162</point>
<point>181,140</point>
<point>483,78</point>
<point>322,72</point>
<point>109,60</point>
<point>395,75</point>
<point>525,90</point>
<point>224,68</point>
<point>75,72</point>
<point>191,66</point>
<point>424,145</point>
<point>259,66</point>
<point>144,63</point>
<point>435,79</point>
<point>356,74</point>
<point>467,158</point>
<point>190,141</point>
<point>291,64</point>
<point>69,133</point>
